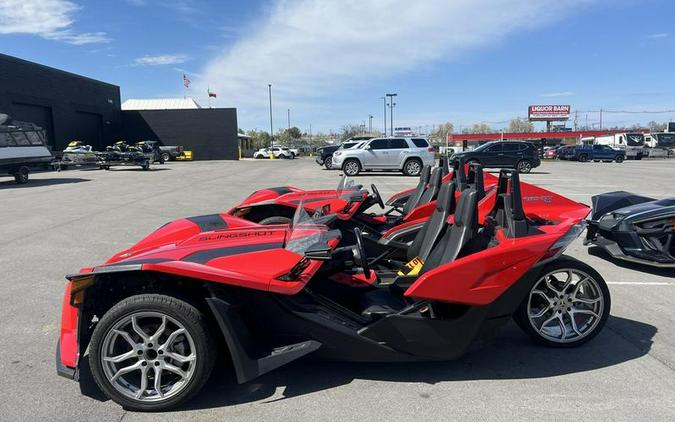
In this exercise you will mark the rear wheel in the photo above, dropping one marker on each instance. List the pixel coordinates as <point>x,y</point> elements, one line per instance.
<point>567,306</point>
<point>165,157</point>
<point>351,167</point>
<point>412,167</point>
<point>583,158</point>
<point>524,166</point>
<point>151,352</point>
<point>328,163</point>
<point>21,176</point>
<point>274,220</point>
<point>619,158</point>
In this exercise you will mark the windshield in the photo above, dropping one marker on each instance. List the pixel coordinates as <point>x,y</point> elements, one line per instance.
<point>348,145</point>
<point>635,139</point>
<point>485,146</point>
<point>346,184</point>
<point>305,232</point>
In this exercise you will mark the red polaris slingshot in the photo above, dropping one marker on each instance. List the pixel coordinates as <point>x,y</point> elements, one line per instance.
<point>153,318</point>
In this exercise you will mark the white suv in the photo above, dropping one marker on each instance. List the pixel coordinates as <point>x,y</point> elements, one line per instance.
<point>278,152</point>
<point>408,155</point>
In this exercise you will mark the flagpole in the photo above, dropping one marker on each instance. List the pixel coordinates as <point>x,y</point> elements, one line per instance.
<point>208,93</point>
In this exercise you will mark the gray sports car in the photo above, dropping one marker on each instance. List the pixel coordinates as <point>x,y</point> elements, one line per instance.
<point>634,228</point>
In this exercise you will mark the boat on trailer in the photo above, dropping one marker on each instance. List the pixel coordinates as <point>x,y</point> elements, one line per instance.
<point>23,147</point>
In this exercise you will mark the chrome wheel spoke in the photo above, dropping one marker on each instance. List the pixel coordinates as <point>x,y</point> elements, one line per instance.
<point>138,330</point>
<point>547,280</point>
<point>126,370</point>
<point>159,332</point>
<point>121,358</point>
<point>158,381</point>
<point>176,370</point>
<point>180,358</point>
<point>574,324</point>
<point>586,301</point>
<point>542,312</point>
<point>144,382</point>
<point>126,337</point>
<point>545,323</point>
<point>576,311</point>
<point>543,296</point>
<point>563,327</point>
<point>171,339</point>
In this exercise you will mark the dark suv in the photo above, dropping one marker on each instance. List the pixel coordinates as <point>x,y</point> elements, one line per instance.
<point>324,155</point>
<point>523,156</point>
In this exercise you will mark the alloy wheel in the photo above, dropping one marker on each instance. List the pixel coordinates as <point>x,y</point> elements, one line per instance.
<point>524,166</point>
<point>413,168</point>
<point>148,356</point>
<point>565,305</point>
<point>351,168</point>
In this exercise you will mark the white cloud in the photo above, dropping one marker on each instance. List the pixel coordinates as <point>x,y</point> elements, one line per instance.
<point>161,60</point>
<point>50,19</point>
<point>659,35</point>
<point>312,48</point>
<point>557,94</point>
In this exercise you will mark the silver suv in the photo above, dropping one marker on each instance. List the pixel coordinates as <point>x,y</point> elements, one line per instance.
<point>408,155</point>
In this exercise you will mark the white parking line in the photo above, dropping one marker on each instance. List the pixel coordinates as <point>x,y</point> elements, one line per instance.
<point>638,283</point>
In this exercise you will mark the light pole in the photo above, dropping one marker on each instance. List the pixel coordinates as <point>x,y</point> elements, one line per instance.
<point>384,104</point>
<point>392,104</point>
<point>370,123</point>
<point>289,118</point>
<point>269,86</point>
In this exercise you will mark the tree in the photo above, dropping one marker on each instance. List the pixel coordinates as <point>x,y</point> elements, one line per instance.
<point>288,136</point>
<point>657,127</point>
<point>481,128</point>
<point>350,130</point>
<point>259,139</point>
<point>520,126</point>
<point>442,131</point>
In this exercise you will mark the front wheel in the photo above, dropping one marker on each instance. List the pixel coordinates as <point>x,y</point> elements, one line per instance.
<point>524,166</point>
<point>619,159</point>
<point>151,352</point>
<point>583,158</point>
<point>165,157</point>
<point>351,167</point>
<point>567,306</point>
<point>328,163</point>
<point>21,176</point>
<point>412,167</point>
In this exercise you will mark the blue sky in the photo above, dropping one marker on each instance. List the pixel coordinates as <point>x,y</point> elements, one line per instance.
<point>330,62</point>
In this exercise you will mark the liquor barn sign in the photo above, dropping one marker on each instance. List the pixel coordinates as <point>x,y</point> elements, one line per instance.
<point>548,112</point>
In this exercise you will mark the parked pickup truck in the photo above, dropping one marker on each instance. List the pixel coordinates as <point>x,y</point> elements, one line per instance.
<point>585,153</point>
<point>167,153</point>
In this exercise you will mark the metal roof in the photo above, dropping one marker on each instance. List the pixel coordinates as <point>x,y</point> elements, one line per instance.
<point>160,104</point>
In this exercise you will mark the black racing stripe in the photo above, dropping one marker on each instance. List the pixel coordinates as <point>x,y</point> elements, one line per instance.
<point>202,257</point>
<point>143,261</point>
<point>209,222</point>
<point>282,190</point>
<point>317,199</point>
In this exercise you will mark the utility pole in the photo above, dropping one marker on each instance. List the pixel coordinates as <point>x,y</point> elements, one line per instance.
<point>600,119</point>
<point>370,123</point>
<point>269,86</point>
<point>576,116</point>
<point>384,103</point>
<point>289,118</point>
<point>392,104</point>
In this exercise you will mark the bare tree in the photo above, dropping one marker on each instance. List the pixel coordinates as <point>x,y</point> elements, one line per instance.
<point>520,126</point>
<point>441,132</point>
<point>481,128</point>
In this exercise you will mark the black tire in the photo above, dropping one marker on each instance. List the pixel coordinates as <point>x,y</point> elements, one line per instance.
<point>524,166</point>
<point>619,158</point>
<point>328,163</point>
<point>583,158</point>
<point>145,166</point>
<point>412,167</point>
<point>258,157</point>
<point>192,320</point>
<point>165,157</point>
<point>274,220</point>
<point>565,262</point>
<point>21,176</point>
<point>351,167</point>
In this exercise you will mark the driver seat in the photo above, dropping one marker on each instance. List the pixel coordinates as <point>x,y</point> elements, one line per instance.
<point>419,190</point>
<point>431,191</point>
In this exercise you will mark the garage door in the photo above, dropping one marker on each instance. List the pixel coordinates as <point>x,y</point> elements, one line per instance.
<point>87,127</point>
<point>40,115</point>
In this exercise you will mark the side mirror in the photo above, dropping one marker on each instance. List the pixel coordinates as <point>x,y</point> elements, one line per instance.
<point>319,252</point>
<point>367,147</point>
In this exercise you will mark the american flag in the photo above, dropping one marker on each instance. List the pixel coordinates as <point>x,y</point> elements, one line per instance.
<point>186,81</point>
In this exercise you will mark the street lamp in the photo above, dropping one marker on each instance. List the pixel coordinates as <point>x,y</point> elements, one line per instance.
<point>384,104</point>
<point>269,86</point>
<point>392,104</point>
<point>370,123</point>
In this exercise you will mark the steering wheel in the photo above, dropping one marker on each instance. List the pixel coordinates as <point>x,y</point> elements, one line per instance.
<point>377,196</point>
<point>360,257</point>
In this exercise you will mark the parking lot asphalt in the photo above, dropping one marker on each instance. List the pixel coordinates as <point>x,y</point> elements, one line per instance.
<point>61,222</point>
